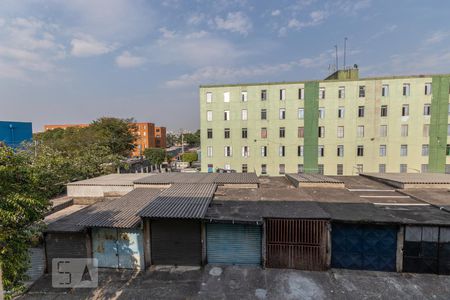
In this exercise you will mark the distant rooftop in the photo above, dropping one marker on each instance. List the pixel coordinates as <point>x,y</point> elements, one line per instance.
<point>412,180</point>
<point>112,179</point>
<point>218,178</point>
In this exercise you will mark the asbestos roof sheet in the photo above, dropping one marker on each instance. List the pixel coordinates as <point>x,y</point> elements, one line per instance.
<point>313,178</point>
<point>112,180</point>
<point>121,212</point>
<point>187,201</point>
<point>412,178</point>
<point>200,178</point>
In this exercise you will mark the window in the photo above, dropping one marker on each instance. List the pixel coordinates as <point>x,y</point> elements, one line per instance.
<point>359,168</point>
<point>264,133</point>
<point>447,150</point>
<point>301,113</point>
<point>341,92</point>
<point>384,110</point>
<point>226,133</point>
<point>263,95</point>
<point>282,168</point>
<point>406,89</point>
<point>228,151</point>
<point>282,113</point>
<point>340,131</point>
<point>360,150</point>
<point>404,130</point>
<point>282,132</point>
<point>383,130</point>
<point>322,93</point>
<point>244,96</point>
<point>382,168</point>
<point>425,149</point>
<point>227,167</point>
<point>360,131</point>
<point>301,132</point>
<point>244,115</point>
<point>263,169</point>
<point>300,169</point>
<point>382,150</point>
<point>341,112</point>
<point>405,110</point>
<point>424,168</point>
<point>264,151</point>
<point>244,133</point>
<point>209,133</point>
<point>263,114</point>
<point>428,88</point>
<point>301,94</point>
<point>321,112</point>
<point>208,97</point>
<point>362,91</point>
<point>426,130</point>
<point>403,150</point>
<point>209,115</point>
<point>403,168</point>
<point>320,169</point>
<point>385,90</point>
<point>321,151</point>
<point>281,151</point>
<point>427,109</point>
<point>226,97</point>
<point>360,111</point>
<point>321,131</point>
<point>245,151</point>
<point>282,94</point>
<point>448,130</point>
<point>209,151</point>
<point>300,150</point>
<point>226,115</point>
<point>244,168</point>
<point>340,150</point>
<point>340,169</point>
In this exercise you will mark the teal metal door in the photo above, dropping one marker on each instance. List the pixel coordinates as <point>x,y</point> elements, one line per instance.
<point>233,244</point>
<point>118,248</point>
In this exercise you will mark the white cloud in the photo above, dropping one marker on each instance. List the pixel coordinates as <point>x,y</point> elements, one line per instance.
<point>235,22</point>
<point>276,12</point>
<point>86,45</point>
<point>437,37</point>
<point>127,60</point>
<point>316,18</point>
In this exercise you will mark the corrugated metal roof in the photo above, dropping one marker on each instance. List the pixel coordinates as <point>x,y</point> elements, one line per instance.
<point>112,180</point>
<point>186,201</point>
<point>219,178</point>
<point>412,178</point>
<point>312,178</point>
<point>122,212</point>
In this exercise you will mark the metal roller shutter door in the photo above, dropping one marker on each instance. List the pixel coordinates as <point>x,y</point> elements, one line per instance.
<point>176,242</point>
<point>233,244</point>
<point>364,247</point>
<point>65,245</point>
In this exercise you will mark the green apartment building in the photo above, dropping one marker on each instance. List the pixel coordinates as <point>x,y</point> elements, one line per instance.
<point>342,125</point>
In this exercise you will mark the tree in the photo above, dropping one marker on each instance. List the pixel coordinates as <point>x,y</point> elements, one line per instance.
<point>22,206</point>
<point>193,139</point>
<point>155,156</point>
<point>172,139</point>
<point>189,157</point>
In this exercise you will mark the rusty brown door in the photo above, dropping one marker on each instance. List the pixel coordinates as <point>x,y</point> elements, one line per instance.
<point>296,244</point>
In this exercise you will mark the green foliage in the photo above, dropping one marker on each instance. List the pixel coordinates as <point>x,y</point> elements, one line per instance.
<point>155,156</point>
<point>22,205</point>
<point>189,157</point>
<point>172,139</point>
<point>193,139</point>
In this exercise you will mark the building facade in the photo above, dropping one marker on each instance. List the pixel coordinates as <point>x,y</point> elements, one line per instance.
<point>147,135</point>
<point>14,133</point>
<point>342,125</point>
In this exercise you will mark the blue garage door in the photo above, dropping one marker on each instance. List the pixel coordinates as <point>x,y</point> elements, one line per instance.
<point>364,247</point>
<point>233,244</point>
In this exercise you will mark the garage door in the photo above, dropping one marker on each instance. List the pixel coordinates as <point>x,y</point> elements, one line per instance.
<point>426,250</point>
<point>65,245</point>
<point>176,242</point>
<point>364,247</point>
<point>118,248</point>
<point>233,244</point>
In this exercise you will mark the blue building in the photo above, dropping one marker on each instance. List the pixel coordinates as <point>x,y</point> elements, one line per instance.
<point>14,133</point>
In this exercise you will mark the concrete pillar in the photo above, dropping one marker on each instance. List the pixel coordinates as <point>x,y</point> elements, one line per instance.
<point>147,246</point>
<point>400,242</point>
<point>203,241</point>
<point>263,246</point>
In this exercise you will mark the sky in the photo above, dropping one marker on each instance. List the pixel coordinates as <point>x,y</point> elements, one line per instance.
<point>73,61</point>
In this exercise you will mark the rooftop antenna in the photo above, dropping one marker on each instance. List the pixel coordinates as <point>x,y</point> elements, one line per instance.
<point>337,65</point>
<point>345,49</point>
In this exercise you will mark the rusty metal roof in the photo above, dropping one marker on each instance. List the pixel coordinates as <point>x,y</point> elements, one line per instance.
<point>200,178</point>
<point>122,212</point>
<point>186,201</point>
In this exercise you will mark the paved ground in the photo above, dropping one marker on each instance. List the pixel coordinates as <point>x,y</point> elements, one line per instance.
<point>251,283</point>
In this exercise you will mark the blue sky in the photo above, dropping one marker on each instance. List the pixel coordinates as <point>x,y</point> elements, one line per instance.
<point>72,61</point>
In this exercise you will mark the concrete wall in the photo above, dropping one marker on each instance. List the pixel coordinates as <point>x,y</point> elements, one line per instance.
<point>90,191</point>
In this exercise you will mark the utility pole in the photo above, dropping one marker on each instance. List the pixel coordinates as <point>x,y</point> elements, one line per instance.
<point>337,61</point>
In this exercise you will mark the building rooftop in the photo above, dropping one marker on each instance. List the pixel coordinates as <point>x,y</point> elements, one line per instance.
<point>314,180</point>
<point>199,178</point>
<point>412,178</point>
<point>112,179</point>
